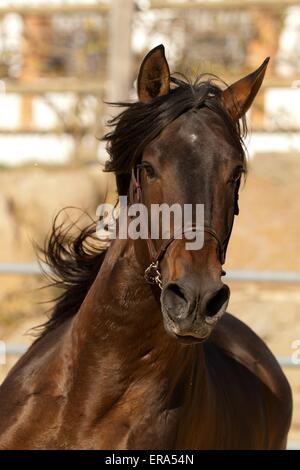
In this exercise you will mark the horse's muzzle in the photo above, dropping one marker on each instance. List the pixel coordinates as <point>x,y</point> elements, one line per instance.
<point>190,314</point>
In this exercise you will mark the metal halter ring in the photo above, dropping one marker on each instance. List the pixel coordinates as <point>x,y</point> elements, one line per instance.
<point>153,275</point>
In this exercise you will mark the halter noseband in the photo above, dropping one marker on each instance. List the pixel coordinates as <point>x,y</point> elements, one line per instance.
<point>152,273</point>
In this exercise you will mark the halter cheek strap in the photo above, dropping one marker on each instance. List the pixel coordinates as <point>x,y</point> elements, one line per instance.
<point>152,273</point>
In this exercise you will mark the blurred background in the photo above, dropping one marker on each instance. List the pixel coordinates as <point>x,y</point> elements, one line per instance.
<point>61,60</point>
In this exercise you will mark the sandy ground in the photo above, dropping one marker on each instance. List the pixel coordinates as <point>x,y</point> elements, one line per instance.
<point>265,236</point>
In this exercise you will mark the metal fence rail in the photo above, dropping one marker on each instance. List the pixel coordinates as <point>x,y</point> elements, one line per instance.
<point>22,268</point>
<point>263,276</point>
<point>246,275</point>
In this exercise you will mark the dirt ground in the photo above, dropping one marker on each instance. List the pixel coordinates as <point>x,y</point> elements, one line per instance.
<point>265,237</point>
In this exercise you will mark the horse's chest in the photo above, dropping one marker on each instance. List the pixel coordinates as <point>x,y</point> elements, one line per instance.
<point>137,425</point>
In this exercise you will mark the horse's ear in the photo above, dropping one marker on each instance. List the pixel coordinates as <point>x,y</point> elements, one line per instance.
<point>154,75</point>
<point>238,98</point>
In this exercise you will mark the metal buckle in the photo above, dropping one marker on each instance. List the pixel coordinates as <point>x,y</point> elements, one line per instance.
<point>152,274</point>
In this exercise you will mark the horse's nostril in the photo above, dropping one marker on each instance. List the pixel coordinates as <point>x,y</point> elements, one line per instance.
<point>217,301</point>
<point>174,300</point>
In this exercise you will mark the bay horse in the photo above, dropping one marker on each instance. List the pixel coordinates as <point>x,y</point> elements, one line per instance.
<point>126,362</point>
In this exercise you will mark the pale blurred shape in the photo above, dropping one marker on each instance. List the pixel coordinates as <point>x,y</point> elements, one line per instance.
<point>145,36</point>
<point>288,57</point>
<point>10,115</point>
<point>21,148</point>
<point>282,108</point>
<point>46,117</point>
<point>279,142</point>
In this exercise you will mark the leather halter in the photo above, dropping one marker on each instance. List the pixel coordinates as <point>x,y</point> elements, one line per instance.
<point>152,273</point>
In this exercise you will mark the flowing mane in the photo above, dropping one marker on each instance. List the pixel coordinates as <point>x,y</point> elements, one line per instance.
<point>75,261</point>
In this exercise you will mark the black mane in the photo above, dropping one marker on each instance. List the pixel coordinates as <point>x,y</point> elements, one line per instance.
<point>76,261</point>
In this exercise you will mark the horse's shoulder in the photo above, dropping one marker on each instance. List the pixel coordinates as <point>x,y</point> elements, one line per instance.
<point>238,341</point>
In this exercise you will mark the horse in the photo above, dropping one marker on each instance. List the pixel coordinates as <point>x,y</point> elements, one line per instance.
<point>139,351</point>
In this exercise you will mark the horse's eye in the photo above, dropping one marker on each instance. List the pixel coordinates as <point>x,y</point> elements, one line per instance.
<point>236,176</point>
<point>149,170</point>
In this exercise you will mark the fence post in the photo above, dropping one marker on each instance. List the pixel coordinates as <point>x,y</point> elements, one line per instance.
<point>119,62</point>
<point>119,50</point>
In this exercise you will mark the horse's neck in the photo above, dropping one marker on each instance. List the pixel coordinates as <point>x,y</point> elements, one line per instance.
<point>120,326</point>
